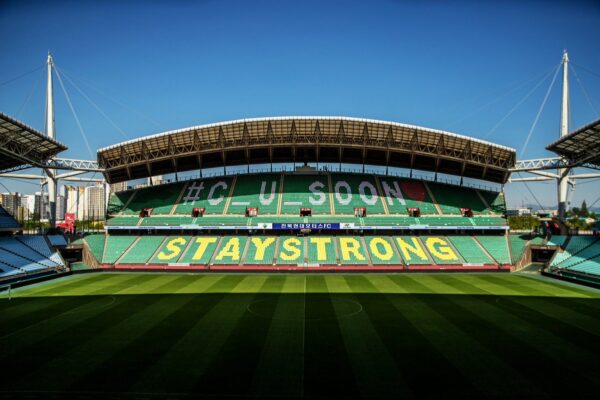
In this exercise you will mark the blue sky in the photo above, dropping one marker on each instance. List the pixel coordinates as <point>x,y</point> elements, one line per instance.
<point>156,66</point>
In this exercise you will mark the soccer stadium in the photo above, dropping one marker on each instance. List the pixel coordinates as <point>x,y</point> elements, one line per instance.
<point>299,257</point>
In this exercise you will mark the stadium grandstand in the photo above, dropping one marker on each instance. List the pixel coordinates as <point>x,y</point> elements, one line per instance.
<point>26,257</point>
<point>309,218</point>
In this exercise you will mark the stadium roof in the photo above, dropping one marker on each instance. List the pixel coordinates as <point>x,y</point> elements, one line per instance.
<point>22,145</point>
<point>306,139</point>
<point>581,146</point>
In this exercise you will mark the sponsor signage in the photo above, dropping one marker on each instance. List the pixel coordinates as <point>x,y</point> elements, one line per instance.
<point>310,225</point>
<point>298,226</point>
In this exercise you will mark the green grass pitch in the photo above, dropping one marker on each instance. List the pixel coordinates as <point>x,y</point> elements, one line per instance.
<point>147,336</point>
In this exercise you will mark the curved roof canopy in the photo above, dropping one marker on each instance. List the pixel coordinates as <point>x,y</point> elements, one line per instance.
<point>580,147</point>
<point>306,139</point>
<point>21,145</point>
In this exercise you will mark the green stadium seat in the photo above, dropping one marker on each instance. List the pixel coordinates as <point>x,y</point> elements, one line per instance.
<point>352,251</point>
<point>557,240</point>
<point>311,191</point>
<point>321,250</point>
<point>142,250</point>
<point>167,220</point>
<point>441,250</point>
<point>452,198</point>
<point>495,200</point>
<point>126,220</point>
<point>400,194</point>
<point>261,250</point>
<point>497,246</point>
<point>115,247</point>
<point>260,191</point>
<point>291,250</point>
<point>483,220</point>
<point>470,250</point>
<point>518,243</point>
<point>391,220</point>
<point>199,251</point>
<point>412,250</point>
<point>117,201</point>
<point>211,194</point>
<point>160,199</point>
<point>352,191</point>
<point>96,245</point>
<point>382,251</point>
<point>171,250</point>
<point>230,250</point>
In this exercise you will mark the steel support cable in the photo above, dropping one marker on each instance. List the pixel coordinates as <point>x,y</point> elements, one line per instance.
<point>89,85</point>
<point>110,121</point>
<point>535,121</point>
<point>585,93</point>
<point>500,97</point>
<point>83,135</point>
<point>21,180</point>
<point>585,69</point>
<point>31,91</point>
<point>16,78</point>
<point>512,110</point>
<point>531,192</point>
<point>539,113</point>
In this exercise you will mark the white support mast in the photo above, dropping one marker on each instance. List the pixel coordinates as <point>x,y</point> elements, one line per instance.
<point>563,173</point>
<point>51,179</point>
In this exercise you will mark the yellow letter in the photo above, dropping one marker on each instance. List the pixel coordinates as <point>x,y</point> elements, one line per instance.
<point>321,248</point>
<point>292,245</point>
<point>203,243</point>
<point>261,246</point>
<point>350,245</point>
<point>443,252</point>
<point>416,249</point>
<point>173,248</point>
<point>388,252</point>
<point>231,249</point>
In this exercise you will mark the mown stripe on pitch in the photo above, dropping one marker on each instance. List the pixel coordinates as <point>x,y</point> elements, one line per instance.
<point>34,289</point>
<point>175,315</point>
<point>280,369</point>
<point>419,361</point>
<point>437,284</point>
<point>27,309</point>
<point>589,307</point>
<point>147,285</point>
<point>84,333</point>
<point>327,370</point>
<point>24,321</point>
<point>74,311</point>
<point>564,310</point>
<point>524,286</point>
<point>116,284</point>
<point>525,346</point>
<point>475,361</point>
<point>498,287</point>
<point>461,284</point>
<point>131,319</point>
<point>232,371</point>
<point>375,370</point>
<point>570,289</point>
<point>62,287</point>
<point>549,316</point>
<point>32,372</point>
<point>411,283</point>
<point>190,355</point>
<point>483,285</point>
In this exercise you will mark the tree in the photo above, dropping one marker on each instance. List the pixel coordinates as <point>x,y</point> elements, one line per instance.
<point>584,210</point>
